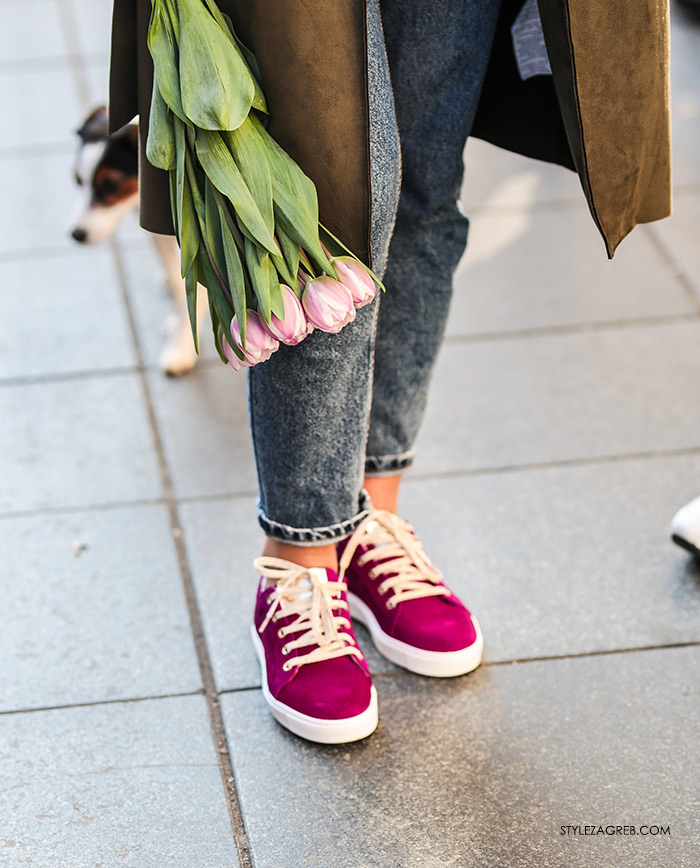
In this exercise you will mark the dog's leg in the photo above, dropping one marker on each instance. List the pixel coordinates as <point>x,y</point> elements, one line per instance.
<point>178,355</point>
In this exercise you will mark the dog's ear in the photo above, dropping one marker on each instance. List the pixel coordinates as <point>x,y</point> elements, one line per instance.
<point>132,133</point>
<point>95,126</point>
<point>126,137</point>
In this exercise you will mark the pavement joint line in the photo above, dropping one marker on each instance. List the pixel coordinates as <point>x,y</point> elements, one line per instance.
<point>213,498</point>
<point>99,702</point>
<point>69,26</point>
<point>50,62</point>
<point>218,729</point>
<point>67,377</point>
<point>44,511</point>
<point>492,664</point>
<point>689,451</point>
<point>31,254</point>
<point>674,265</point>
<point>189,499</point>
<point>605,652</point>
<point>40,149</point>
<point>512,208</point>
<point>576,328</point>
<point>453,340</point>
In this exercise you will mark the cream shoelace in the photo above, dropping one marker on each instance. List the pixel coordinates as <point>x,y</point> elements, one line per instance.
<point>393,542</point>
<point>307,594</point>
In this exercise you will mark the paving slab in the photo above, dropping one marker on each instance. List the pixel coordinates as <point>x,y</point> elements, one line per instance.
<point>97,76</point>
<point>29,31</point>
<point>485,770</point>
<point>545,269</point>
<point>38,219</point>
<point>77,321</point>
<point>93,19</point>
<point>80,442</point>
<point>562,397</point>
<point>223,538</point>
<point>505,181</point>
<point>204,421</point>
<point>566,560</point>
<point>42,105</point>
<point>679,235</point>
<point>129,784</point>
<point>93,609</point>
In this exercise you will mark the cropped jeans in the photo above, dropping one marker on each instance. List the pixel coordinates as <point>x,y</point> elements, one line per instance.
<point>337,408</point>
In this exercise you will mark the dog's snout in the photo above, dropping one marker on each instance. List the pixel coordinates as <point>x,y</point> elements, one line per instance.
<point>79,234</point>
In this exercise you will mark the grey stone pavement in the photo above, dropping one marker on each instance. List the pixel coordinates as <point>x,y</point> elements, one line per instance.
<point>562,433</point>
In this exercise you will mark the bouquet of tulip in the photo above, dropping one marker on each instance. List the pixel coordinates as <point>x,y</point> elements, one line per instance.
<point>245,215</point>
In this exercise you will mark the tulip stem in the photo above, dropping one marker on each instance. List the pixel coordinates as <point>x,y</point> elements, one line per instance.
<point>222,202</point>
<point>307,261</point>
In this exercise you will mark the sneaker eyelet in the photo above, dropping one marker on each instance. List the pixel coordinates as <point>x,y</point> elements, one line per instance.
<point>280,633</point>
<point>285,650</point>
<point>286,667</point>
<point>372,574</point>
<point>390,604</point>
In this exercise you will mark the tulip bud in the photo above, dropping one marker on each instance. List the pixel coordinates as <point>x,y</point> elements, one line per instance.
<point>293,328</point>
<point>233,359</point>
<point>328,304</point>
<point>259,344</point>
<point>355,276</point>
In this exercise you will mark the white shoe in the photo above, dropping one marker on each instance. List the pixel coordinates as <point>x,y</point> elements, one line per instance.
<point>685,527</point>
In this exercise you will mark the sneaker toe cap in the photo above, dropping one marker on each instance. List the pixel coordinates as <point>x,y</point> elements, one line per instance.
<point>329,690</point>
<point>435,624</point>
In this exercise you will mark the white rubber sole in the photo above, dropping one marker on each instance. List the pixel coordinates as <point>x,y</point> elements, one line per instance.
<point>316,728</point>
<point>437,664</point>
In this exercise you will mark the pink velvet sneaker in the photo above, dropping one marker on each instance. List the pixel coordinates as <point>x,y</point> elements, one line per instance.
<point>395,591</point>
<point>315,678</point>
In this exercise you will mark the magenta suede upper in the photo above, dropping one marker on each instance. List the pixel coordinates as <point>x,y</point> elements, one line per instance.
<point>328,689</point>
<point>434,623</point>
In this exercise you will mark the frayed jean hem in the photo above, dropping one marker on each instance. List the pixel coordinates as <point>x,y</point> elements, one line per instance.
<point>388,465</point>
<point>314,536</point>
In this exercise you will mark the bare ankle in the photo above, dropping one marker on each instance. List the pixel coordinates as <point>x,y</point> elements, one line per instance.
<point>383,491</point>
<point>305,556</point>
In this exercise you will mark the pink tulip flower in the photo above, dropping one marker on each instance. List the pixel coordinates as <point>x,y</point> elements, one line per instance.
<point>293,328</point>
<point>328,304</point>
<point>355,276</point>
<point>259,344</point>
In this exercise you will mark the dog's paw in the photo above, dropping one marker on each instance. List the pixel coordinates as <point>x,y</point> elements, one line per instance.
<point>177,357</point>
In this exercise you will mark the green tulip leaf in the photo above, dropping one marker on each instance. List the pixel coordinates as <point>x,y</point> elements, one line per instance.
<point>213,230</point>
<point>219,308</point>
<point>254,167</point>
<point>216,85</point>
<point>290,253</point>
<point>224,174</point>
<point>160,143</point>
<point>236,280</point>
<point>189,229</point>
<point>263,277</point>
<point>191,292</point>
<point>163,49</point>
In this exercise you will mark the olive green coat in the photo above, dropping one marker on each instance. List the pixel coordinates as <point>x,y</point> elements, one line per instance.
<point>604,111</point>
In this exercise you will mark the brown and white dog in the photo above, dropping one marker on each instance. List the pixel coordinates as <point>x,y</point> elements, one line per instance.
<point>106,169</point>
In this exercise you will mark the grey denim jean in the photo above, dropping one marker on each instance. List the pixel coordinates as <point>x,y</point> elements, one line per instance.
<point>337,408</point>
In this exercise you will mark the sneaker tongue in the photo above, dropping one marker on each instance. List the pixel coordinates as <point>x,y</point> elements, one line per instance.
<point>304,586</point>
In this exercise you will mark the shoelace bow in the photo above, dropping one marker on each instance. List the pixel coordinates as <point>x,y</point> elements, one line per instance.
<point>410,573</point>
<point>307,594</point>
